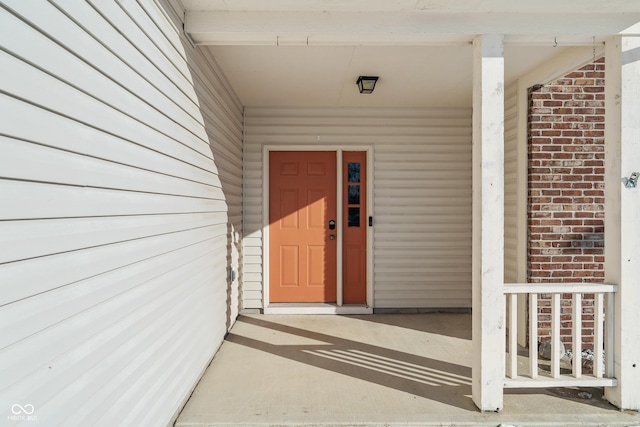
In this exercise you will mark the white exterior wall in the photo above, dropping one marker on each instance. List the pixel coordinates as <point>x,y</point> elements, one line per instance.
<point>421,196</point>
<point>120,181</point>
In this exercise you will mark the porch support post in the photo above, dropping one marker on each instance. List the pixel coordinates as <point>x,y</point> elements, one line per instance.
<point>622,213</point>
<point>488,305</point>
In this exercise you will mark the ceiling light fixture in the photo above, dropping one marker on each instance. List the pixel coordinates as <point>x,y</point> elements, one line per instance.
<point>366,84</point>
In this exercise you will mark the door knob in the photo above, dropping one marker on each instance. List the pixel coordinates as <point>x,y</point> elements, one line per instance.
<point>332,225</point>
<point>332,236</point>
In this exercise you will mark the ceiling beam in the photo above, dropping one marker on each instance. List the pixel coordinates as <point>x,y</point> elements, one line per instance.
<point>399,28</point>
<point>419,6</point>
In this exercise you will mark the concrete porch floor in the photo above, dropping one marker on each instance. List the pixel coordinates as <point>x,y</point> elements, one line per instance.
<point>383,369</point>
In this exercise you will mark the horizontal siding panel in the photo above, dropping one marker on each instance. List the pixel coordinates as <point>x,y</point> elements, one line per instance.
<point>151,66</point>
<point>36,200</point>
<point>429,177</point>
<point>139,324</point>
<point>212,101</point>
<point>415,201</point>
<point>252,268</point>
<point>397,211</point>
<point>429,237</point>
<point>76,169</point>
<point>88,51</point>
<point>158,49</point>
<point>424,295</point>
<point>128,305</point>
<point>29,316</point>
<point>250,280</point>
<point>121,181</point>
<point>44,54</point>
<point>251,288</point>
<point>433,270</point>
<point>59,132</point>
<point>252,299</point>
<point>390,283</point>
<point>431,186</point>
<point>428,303</point>
<point>372,138</point>
<point>158,347</point>
<point>436,145</point>
<point>55,95</point>
<point>444,254</point>
<point>354,121</point>
<point>395,132</point>
<point>449,285</point>
<point>70,266</point>
<point>427,227</point>
<point>36,238</point>
<point>435,165</point>
<point>160,74</point>
<point>422,202</point>
<point>165,38</point>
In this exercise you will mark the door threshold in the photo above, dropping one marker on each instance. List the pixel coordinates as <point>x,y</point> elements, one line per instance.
<point>316,308</point>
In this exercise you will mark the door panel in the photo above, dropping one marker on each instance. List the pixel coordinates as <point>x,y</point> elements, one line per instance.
<point>302,201</point>
<point>354,227</point>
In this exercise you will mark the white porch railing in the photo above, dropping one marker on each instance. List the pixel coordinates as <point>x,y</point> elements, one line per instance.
<point>603,335</point>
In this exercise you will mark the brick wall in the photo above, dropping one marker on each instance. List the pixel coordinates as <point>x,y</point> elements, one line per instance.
<point>566,190</point>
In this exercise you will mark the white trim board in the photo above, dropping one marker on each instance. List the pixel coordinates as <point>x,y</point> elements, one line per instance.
<point>316,308</point>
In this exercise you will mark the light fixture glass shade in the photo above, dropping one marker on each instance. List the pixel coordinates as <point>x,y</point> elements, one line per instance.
<point>366,84</point>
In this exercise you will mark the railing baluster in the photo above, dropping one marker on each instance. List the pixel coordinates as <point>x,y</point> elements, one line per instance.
<point>598,330</point>
<point>513,335</point>
<point>604,335</point>
<point>533,335</point>
<point>555,335</point>
<point>609,322</point>
<point>577,335</point>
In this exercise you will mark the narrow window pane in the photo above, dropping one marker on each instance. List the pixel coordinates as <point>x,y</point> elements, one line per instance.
<point>354,217</point>
<point>354,195</point>
<point>354,171</point>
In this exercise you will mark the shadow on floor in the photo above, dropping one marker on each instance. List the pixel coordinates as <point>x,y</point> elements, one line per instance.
<point>592,396</point>
<point>458,325</point>
<point>432,379</point>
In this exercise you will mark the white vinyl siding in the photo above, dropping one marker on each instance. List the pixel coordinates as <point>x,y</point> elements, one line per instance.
<point>511,183</point>
<point>421,191</point>
<point>121,213</point>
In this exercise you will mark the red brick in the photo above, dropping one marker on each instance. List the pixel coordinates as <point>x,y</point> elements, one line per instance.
<point>566,190</point>
<point>565,96</point>
<point>593,89</point>
<point>584,96</point>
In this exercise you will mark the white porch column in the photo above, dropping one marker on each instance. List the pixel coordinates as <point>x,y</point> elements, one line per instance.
<point>488,223</point>
<point>622,212</point>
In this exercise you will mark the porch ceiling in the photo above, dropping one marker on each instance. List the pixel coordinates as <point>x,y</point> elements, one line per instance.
<point>308,53</point>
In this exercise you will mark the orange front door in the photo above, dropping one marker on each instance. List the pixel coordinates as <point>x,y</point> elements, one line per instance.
<point>302,237</point>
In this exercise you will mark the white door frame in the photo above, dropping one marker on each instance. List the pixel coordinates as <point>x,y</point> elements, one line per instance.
<point>319,308</point>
